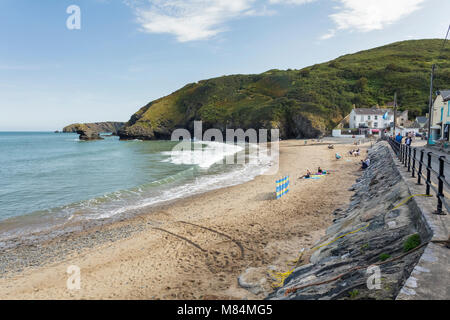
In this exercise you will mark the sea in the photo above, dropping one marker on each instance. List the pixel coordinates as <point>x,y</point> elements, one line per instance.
<point>52,182</point>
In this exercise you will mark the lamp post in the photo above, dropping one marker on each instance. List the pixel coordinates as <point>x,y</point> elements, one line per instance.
<point>395,112</point>
<point>430,105</point>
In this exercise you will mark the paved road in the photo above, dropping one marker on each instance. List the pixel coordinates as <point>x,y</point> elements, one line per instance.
<point>435,166</point>
<point>435,161</point>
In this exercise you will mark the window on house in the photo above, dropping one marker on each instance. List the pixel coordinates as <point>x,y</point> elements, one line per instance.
<point>368,117</point>
<point>375,124</point>
<point>376,117</point>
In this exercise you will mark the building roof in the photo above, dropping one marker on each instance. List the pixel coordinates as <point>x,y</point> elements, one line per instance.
<point>421,119</point>
<point>373,111</point>
<point>445,94</point>
<point>414,125</point>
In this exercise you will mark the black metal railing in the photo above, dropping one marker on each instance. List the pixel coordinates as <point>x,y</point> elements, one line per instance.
<point>414,161</point>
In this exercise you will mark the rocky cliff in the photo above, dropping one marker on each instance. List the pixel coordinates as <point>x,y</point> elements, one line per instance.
<point>87,133</point>
<point>98,127</point>
<point>377,229</point>
<point>304,103</point>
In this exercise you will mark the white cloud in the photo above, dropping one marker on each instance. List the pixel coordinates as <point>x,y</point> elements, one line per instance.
<point>190,20</point>
<point>369,15</point>
<point>290,1</point>
<point>331,33</point>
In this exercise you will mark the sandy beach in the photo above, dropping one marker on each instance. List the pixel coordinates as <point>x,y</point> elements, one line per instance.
<point>194,248</point>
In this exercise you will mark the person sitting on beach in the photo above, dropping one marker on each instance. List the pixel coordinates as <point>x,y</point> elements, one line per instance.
<point>330,147</point>
<point>365,164</point>
<point>356,153</point>
<point>338,156</point>
<point>307,175</point>
<point>319,170</point>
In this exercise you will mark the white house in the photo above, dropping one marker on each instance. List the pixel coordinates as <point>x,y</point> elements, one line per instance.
<point>440,120</point>
<point>372,118</point>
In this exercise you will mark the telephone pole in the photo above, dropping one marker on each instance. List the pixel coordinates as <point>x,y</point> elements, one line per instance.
<point>430,105</point>
<point>395,112</point>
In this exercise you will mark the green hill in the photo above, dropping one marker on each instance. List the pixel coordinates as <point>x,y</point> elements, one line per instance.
<point>301,103</point>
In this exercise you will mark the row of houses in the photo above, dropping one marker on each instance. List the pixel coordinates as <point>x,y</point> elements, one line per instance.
<point>377,119</point>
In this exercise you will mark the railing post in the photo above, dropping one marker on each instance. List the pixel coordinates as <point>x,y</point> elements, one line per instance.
<point>409,158</point>
<point>406,155</point>
<point>441,184</point>
<point>428,174</point>
<point>401,153</point>
<point>414,163</point>
<point>419,172</point>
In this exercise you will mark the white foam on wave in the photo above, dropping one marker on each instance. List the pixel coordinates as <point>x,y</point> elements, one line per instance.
<point>259,163</point>
<point>203,153</point>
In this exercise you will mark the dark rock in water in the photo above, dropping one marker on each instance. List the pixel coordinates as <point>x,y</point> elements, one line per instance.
<point>57,131</point>
<point>86,133</point>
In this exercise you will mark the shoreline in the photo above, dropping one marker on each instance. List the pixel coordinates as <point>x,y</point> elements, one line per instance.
<point>221,232</point>
<point>39,226</point>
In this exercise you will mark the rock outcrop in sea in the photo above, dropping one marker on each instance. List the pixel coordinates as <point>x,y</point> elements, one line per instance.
<point>87,133</point>
<point>98,127</point>
<point>377,236</point>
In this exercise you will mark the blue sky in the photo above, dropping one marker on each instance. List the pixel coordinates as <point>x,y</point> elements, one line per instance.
<point>129,52</point>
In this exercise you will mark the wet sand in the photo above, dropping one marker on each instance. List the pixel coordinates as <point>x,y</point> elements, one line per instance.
<point>194,248</point>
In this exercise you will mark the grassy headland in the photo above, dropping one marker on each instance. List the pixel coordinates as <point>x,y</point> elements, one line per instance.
<point>301,103</point>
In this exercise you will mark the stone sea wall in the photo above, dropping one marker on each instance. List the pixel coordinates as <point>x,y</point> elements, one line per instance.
<point>372,247</point>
